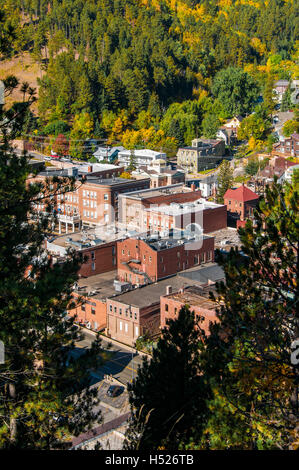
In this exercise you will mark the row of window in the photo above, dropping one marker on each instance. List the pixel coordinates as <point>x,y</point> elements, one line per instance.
<point>92,204</point>
<point>126,311</point>
<point>91,215</point>
<point>89,194</point>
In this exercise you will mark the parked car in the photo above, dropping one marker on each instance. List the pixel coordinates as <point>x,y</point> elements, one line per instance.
<point>114,391</point>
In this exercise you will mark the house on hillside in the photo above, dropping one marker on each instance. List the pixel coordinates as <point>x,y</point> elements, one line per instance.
<point>240,204</point>
<point>107,153</point>
<point>289,147</point>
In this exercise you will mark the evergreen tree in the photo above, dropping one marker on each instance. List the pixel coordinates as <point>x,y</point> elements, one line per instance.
<point>168,396</point>
<point>210,126</point>
<point>45,394</point>
<point>225,179</point>
<point>286,102</point>
<point>249,352</point>
<point>176,132</point>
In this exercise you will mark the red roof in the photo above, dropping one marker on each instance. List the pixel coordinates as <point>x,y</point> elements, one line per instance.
<point>241,194</point>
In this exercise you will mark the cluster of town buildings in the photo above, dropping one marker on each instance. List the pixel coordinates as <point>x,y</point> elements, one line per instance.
<point>149,240</point>
<point>148,250</point>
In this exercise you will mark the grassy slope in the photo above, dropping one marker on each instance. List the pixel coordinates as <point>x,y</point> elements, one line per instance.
<point>25,70</point>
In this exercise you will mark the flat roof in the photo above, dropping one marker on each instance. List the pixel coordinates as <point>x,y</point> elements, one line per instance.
<point>150,294</point>
<point>193,297</point>
<point>154,192</point>
<point>88,238</point>
<point>97,287</point>
<point>176,208</point>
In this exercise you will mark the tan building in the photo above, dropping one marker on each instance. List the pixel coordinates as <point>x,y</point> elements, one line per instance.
<point>203,154</point>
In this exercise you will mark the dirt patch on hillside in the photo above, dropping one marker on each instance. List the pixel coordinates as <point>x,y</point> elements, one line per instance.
<point>26,70</point>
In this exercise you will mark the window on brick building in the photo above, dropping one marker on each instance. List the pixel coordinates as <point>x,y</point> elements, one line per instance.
<point>166,307</point>
<point>110,308</point>
<point>92,255</point>
<point>83,308</point>
<point>175,311</point>
<point>115,309</point>
<point>93,266</point>
<point>120,325</point>
<point>196,259</point>
<point>105,197</point>
<point>120,311</point>
<point>93,310</point>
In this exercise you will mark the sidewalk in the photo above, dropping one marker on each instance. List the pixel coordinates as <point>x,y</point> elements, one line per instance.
<point>116,343</point>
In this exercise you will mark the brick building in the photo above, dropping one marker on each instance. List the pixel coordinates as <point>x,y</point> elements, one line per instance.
<point>202,155</point>
<point>141,261</point>
<point>171,303</point>
<point>289,147</point>
<point>206,215</point>
<point>160,174</point>
<point>93,203</point>
<point>240,202</point>
<point>98,246</point>
<point>91,296</point>
<point>171,207</point>
<point>135,313</point>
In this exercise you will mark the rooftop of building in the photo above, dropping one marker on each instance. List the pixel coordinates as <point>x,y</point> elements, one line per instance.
<point>143,152</point>
<point>241,194</point>
<point>97,287</point>
<point>151,293</point>
<point>88,237</point>
<point>107,151</point>
<point>193,296</point>
<point>110,181</point>
<point>226,237</point>
<point>156,192</point>
<point>205,274</point>
<point>176,208</point>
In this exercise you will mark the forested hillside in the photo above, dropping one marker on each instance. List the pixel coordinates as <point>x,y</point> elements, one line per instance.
<point>120,67</point>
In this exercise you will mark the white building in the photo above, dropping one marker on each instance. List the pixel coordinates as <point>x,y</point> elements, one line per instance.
<point>141,157</point>
<point>288,174</point>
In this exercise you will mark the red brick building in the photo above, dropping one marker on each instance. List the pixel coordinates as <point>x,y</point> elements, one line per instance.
<point>171,304</point>
<point>140,261</point>
<point>91,296</point>
<point>94,202</point>
<point>289,147</point>
<point>241,202</point>
<point>165,208</point>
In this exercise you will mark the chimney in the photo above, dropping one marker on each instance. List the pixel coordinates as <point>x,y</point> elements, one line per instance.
<point>168,290</point>
<point>89,169</point>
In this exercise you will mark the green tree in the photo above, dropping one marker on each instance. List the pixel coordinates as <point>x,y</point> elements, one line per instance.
<point>286,102</point>
<point>290,127</point>
<point>248,354</point>
<point>168,396</point>
<point>225,179</point>
<point>45,394</point>
<point>252,167</point>
<point>236,90</point>
<point>210,126</point>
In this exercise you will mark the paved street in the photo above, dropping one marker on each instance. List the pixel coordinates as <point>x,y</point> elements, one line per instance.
<point>122,366</point>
